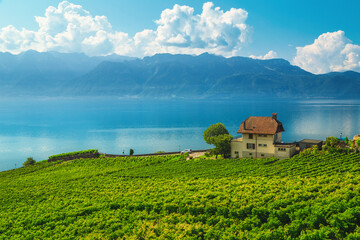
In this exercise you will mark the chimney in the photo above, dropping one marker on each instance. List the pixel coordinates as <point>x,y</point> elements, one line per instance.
<point>274,116</point>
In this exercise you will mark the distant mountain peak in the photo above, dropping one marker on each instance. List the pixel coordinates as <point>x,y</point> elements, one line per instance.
<point>167,75</point>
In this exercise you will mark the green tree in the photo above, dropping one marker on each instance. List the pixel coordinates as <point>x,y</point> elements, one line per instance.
<point>219,136</point>
<point>222,144</point>
<point>213,131</point>
<point>357,142</point>
<point>29,161</point>
<point>131,152</point>
<point>332,141</point>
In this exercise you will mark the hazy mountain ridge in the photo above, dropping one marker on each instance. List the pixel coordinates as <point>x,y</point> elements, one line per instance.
<point>48,73</point>
<point>167,76</point>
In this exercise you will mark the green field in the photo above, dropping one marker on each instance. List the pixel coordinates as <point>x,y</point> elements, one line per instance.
<point>316,196</point>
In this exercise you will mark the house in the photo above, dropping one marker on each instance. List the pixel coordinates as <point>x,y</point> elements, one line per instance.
<point>356,137</point>
<point>309,143</point>
<point>261,138</point>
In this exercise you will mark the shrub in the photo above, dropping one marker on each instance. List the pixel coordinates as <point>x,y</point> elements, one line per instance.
<point>30,161</point>
<point>160,152</point>
<point>131,152</point>
<point>332,141</point>
<point>73,153</point>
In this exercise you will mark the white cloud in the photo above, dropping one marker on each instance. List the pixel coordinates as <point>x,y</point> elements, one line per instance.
<point>70,28</point>
<point>270,55</point>
<point>331,51</point>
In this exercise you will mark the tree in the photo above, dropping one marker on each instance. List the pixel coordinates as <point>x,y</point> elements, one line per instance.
<point>30,161</point>
<point>357,142</point>
<point>332,141</point>
<point>131,152</point>
<point>222,144</point>
<point>213,131</point>
<point>219,136</point>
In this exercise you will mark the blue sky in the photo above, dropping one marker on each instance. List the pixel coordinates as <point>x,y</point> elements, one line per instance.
<point>278,26</point>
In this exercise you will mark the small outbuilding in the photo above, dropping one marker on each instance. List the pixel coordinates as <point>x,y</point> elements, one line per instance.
<point>309,143</point>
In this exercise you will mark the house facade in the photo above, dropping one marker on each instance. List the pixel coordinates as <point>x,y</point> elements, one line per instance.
<point>261,138</point>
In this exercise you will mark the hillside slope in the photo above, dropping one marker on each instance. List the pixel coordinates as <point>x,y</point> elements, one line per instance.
<point>45,74</point>
<point>167,76</point>
<point>210,76</point>
<point>307,197</point>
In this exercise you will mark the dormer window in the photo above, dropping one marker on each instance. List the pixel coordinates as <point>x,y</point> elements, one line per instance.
<point>250,136</point>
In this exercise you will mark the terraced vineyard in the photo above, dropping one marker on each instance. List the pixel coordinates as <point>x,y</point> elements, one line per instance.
<point>314,196</point>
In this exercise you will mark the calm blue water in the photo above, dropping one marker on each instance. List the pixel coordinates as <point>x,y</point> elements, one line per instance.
<point>43,127</point>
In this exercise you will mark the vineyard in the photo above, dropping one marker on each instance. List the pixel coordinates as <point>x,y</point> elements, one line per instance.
<point>310,196</point>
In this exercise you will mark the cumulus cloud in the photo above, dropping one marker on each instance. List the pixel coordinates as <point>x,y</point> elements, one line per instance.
<point>270,55</point>
<point>70,28</point>
<point>331,51</point>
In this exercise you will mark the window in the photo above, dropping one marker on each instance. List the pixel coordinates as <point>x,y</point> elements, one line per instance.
<point>262,135</point>
<point>236,152</point>
<point>282,149</point>
<point>250,154</point>
<point>265,145</point>
<point>262,155</point>
<point>250,146</point>
<point>250,136</point>
<point>260,145</point>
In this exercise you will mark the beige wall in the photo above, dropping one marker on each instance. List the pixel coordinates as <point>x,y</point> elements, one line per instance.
<point>268,141</point>
<point>264,147</point>
<point>236,146</point>
<point>288,153</point>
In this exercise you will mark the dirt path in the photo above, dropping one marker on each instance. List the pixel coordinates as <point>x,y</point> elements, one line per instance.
<point>197,154</point>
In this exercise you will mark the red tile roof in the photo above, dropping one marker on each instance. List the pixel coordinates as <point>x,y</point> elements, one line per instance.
<point>261,125</point>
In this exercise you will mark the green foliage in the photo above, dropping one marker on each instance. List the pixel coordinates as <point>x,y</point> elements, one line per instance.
<point>314,196</point>
<point>222,145</point>
<point>207,154</point>
<point>357,142</point>
<point>131,152</point>
<point>73,153</point>
<point>29,161</point>
<point>219,136</point>
<point>338,150</point>
<point>332,141</point>
<point>160,152</point>
<point>213,131</point>
<point>346,141</point>
<point>185,155</point>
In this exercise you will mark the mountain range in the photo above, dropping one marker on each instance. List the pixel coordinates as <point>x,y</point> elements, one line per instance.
<point>167,76</point>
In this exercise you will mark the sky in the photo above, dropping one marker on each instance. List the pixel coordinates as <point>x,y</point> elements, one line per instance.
<point>318,36</point>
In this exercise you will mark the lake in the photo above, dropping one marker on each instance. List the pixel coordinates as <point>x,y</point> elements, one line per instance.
<point>39,128</point>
